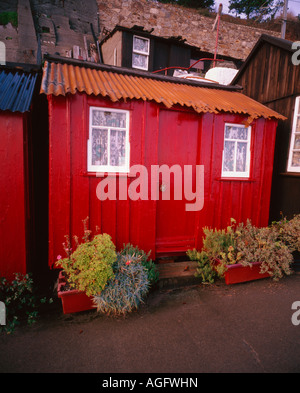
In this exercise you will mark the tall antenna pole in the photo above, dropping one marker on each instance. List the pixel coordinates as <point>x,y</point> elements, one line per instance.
<point>217,22</point>
<point>283,27</point>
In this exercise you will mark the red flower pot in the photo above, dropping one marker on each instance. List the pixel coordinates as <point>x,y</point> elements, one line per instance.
<point>73,300</point>
<point>238,273</point>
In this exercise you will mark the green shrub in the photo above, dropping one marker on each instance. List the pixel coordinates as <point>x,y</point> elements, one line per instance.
<point>264,245</point>
<point>152,271</point>
<point>289,232</point>
<point>21,301</point>
<point>9,17</point>
<point>125,291</point>
<point>245,243</point>
<point>205,270</point>
<point>89,267</point>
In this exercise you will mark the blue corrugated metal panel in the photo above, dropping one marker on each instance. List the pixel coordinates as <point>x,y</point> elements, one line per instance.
<point>16,90</point>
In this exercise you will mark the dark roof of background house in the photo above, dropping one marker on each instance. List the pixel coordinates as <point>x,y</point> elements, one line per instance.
<point>279,42</point>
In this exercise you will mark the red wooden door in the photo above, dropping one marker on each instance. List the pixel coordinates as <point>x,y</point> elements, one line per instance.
<point>177,146</point>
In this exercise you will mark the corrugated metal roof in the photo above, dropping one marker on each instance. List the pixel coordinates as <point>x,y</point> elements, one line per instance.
<point>61,78</point>
<point>16,90</point>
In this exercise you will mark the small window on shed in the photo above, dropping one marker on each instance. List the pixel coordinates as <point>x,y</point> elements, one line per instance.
<point>294,153</point>
<point>236,151</point>
<point>140,52</point>
<point>108,144</point>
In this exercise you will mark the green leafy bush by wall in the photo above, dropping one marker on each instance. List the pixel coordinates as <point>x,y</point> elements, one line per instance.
<point>9,17</point>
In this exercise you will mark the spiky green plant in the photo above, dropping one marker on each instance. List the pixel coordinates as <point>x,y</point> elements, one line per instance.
<point>152,271</point>
<point>124,292</point>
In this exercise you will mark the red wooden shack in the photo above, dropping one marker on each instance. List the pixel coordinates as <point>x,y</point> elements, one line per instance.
<point>105,120</point>
<point>16,91</point>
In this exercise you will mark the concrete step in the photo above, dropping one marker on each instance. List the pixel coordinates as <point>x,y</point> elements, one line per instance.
<point>172,274</point>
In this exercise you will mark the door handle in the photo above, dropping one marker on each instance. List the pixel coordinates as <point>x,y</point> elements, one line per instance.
<point>163,187</point>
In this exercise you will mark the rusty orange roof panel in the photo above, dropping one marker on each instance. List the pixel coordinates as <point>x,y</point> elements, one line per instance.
<point>64,77</point>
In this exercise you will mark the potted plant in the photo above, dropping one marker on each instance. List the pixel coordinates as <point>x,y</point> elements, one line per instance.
<point>125,291</point>
<point>85,271</point>
<point>242,253</point>
<point>96,276</point>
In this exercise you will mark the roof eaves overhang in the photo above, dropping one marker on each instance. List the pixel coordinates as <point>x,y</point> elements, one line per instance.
<point>134,72</point>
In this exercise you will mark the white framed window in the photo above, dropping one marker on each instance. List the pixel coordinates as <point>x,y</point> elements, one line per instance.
<point>294,151</point>
<point>140,52</point>
<point>108,144</point>
<point>236,151</point>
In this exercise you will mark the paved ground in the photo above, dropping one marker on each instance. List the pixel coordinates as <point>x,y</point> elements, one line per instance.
<point>195,329</point>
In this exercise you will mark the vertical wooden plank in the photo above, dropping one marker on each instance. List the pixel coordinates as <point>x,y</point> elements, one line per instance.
<point>12,196</point>
<point>206,145</point>
<point>216,158</point>
<point>199,214</point>
<point>150,157</point>
<point>79,118</point>
<point>136,157</point>
<point>258,151</point>
<point>59,175</point>
<point>267,162</point>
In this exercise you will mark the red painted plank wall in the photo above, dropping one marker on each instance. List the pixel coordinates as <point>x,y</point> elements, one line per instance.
<point>13,195</point>
<point>73,191</point>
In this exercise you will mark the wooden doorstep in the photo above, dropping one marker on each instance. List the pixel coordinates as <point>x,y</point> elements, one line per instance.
<point>177,269</point>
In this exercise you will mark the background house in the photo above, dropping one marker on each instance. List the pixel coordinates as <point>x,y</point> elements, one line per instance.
<point>140,49</point>
<point>270,77</point>
<point>150,119</point>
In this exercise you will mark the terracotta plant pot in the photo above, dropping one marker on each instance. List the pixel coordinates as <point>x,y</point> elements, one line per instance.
<point>238,273</point>
<point>73,300</point>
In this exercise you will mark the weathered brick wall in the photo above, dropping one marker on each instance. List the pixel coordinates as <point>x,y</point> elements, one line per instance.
<point>171,20</point>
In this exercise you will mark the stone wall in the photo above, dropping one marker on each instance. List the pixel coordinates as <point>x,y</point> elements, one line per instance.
<point>64,26</point>
<point>170,20</point>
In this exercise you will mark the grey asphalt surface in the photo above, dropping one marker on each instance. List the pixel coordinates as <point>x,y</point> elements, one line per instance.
<point>193,329</point>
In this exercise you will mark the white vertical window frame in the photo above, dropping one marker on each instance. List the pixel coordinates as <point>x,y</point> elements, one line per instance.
<point>294,150</point>
<point>140,53</point>
<point>94,165</point>
<point>230,167</point>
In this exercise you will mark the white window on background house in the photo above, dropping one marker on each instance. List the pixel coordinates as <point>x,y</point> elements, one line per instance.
<point>236,151</point>
<point>294,153</point>
<point>140,52</point>
<point>108,144</point>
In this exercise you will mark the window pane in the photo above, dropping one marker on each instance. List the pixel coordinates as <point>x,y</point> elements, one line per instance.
<point>139,61</point>
<point>228,165</point>
<point>297,141</point>
<point>99,147</point>
<point>140,44</point>
<point>232,132</point>
<point>117,147</point>
<point>298,124</point>
<point>296,159</point>
<point>106,118</point>
<point>241,156</point>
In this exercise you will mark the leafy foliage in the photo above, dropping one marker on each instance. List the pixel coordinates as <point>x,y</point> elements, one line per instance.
<point>273,246</point>
<point>153,274</point>
<point>126,290</point>
<point>89,267</point>
<point>21,301</point>
<point>255,8</point>
<point>264,245</point>
<point>289,232</point>
<point>9,17</point>
<point>205,269</point>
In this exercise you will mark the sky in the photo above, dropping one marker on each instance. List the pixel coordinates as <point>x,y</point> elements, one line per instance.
<point>293,6</point>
